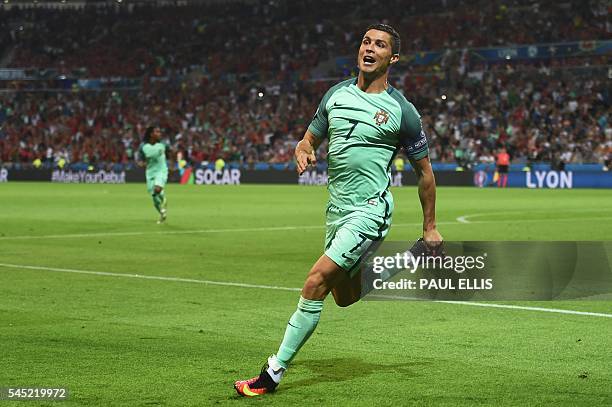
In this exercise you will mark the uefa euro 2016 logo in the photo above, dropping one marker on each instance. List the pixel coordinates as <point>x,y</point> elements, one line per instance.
<point>480,178</point>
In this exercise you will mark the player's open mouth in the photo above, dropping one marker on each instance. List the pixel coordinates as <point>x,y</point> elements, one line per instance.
<point>368,60</point>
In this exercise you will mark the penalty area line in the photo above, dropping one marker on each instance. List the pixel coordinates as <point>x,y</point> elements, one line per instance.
<point>279,288</point>
<point>147,277</point>
<point>526,308</point>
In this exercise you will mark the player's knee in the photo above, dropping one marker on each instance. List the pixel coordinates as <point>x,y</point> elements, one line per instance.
<point>157,190</point>
<point>314,284</point>
<point>317,284</point>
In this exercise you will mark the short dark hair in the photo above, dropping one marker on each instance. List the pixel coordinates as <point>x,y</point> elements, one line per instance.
<point>396,42</point>
<point>148,132</point>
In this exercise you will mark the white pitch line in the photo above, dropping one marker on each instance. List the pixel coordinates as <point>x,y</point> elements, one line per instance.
<point>271,287</point>
<point>148,277</point>
<point>185,232</point>
<point>464,220</point>
<point>461,220</point>
<point>521,307</point>
<point>164,232</point>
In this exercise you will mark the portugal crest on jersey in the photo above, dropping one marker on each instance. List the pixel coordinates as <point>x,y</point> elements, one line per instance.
<point>381,117</point>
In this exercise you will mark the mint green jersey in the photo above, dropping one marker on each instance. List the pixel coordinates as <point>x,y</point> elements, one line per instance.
<point>155,157</point>
<point>365,132</point>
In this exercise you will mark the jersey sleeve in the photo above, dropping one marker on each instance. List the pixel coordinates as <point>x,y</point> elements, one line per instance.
<point>412,135</point>
<point>147,151</point>
<point>141,154</point>
<point>319,124</point>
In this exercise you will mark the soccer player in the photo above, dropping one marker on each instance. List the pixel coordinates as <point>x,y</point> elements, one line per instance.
<point>153,151</point>
<point>367,122</point>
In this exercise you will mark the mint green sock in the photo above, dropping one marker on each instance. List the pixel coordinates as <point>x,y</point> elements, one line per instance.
<point>157,201</point>
<point>163,203</point>
<point>301,325</point>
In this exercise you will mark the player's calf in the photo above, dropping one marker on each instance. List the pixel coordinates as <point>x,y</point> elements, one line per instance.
<point>348,290</point>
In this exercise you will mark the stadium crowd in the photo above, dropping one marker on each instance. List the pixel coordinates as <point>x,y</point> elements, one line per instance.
<point>278,37</point>
<point>539,113</point>
<point>536,117</point>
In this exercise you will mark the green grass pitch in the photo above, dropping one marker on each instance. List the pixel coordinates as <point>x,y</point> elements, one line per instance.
<point>114,340</point>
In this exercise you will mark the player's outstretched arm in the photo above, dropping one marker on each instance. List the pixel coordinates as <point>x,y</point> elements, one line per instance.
<point>305,152</point>
<point>427,195</point>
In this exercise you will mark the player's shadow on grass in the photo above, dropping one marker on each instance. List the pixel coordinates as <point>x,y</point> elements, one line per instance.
<point>343,369</point>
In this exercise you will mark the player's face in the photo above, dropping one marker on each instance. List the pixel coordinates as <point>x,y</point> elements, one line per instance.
<point>156,135</point>
<point>375,55</point>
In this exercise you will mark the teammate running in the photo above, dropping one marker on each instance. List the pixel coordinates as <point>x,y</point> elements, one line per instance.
<point>153,151</point>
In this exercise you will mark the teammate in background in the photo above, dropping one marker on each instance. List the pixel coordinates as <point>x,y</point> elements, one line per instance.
<point>367,122</point>
<point>154,152</point>
<point>503,163</point>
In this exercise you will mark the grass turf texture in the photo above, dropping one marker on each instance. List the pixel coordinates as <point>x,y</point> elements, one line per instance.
<point>129,341</point>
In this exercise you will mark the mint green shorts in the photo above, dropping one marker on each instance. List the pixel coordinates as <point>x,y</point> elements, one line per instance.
<point>352,235</point>
<point>156,180</point>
